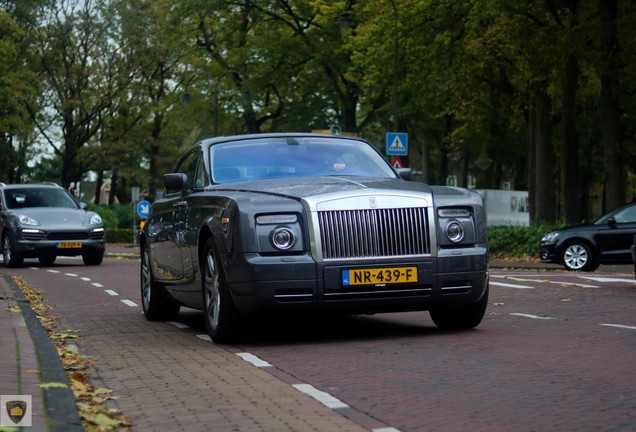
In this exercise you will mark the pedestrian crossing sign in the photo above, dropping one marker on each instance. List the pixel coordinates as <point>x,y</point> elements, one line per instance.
<point>397,144</point>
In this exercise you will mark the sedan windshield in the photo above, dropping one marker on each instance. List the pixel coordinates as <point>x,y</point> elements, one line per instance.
<point>265,158</point>
<point>38,197</point>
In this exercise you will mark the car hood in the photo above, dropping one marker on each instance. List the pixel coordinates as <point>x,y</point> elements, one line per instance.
<point>304,187</point>
<point>59,218</point>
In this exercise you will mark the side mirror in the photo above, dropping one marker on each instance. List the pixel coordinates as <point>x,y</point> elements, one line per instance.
<point>83,205</point>
<point>611,222</point>
<point>176,182</point>
<point>405,173</point>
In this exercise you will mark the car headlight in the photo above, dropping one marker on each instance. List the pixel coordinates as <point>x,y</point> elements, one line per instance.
<point>29,221</point>
<point>455,231</point>
<point>279,233</point>
<point>550,238</point>
<point>96,219</point>
<point>283,238</point>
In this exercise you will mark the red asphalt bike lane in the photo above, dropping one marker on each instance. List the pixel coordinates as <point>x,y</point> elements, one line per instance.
<point>555,352</point>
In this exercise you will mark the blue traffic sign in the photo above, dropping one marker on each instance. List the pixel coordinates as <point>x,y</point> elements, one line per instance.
<point>397,144</point>
<point>143,208</point>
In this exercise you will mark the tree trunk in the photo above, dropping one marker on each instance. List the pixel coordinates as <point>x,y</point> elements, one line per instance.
<point>614,186</point>
<point>570,188</point>
<point>545,198</point>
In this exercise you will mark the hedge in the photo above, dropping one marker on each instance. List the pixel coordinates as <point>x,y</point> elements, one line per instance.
<point>119,235</point>
<point>518,241</point>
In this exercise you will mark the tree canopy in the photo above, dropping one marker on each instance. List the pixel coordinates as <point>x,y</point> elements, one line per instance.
<point>537,95</point>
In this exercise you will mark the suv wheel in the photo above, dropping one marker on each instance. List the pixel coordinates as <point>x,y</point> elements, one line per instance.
<point>11,259</point>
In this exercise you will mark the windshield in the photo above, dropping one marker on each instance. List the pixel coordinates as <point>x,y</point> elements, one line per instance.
<point>38,197</point>
<point>264,158</point>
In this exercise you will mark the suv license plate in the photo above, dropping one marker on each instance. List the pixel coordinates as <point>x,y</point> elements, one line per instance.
<point>376,276</point>
<point>69,245</point>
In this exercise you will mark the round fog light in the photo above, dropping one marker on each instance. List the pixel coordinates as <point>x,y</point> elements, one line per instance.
<point>283,238</point>
<point>455,232</point>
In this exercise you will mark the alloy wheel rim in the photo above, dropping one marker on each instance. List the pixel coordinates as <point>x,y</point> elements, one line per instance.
<point>576,257</point>
<point>145,280</point>
<point>6,250</point>
<point>212,297</point>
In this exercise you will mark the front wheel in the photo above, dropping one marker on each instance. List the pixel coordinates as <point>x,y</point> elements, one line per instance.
<point>220,315</point>
<point>156,304</point>
<point>93,260</point>
<point>579,256</point>
<point>11,258</point>
<point>465,317</point>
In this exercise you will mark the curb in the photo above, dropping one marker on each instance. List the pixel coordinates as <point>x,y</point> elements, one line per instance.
<point>59,402</point>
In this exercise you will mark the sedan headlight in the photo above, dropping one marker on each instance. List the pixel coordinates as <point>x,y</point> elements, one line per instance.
<point>551,237</point>
<point>456,226</point>
<point>455,231</point>
<point>29,221</point>
<point>96,219</point>
<point>279,233</point>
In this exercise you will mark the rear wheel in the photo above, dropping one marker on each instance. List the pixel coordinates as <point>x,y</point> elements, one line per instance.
<point>11,258</point>
<point>579,256</point>
<point>220,315</point>
<point>155,302</point>
<point>465,317</point>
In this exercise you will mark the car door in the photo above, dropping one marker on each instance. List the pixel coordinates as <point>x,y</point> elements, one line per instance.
<point>615,238</point>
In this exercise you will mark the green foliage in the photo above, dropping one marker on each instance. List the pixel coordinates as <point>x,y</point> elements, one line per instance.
<point>119,235</point>
<point>115,216</point>
<point>518,241</point>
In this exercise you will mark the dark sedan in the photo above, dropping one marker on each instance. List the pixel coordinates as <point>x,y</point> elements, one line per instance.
<point>309,223</point>
<point>585,247</point>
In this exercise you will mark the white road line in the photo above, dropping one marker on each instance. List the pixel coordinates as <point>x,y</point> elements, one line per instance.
<point>619,326</point>
<point>532,316</point>
<point>71,274</point>
<point>510,285</point>
<point>111,292</point>
<point>54,271</point>
<point>85,279</point>
<point>608,279</point>
<point>178,324</point>
<point>98,285</point>
<point>324,398</point>
<point>205,337</point>
<point>385,429</point>
<point>129,303</point>
<point>251,358</point>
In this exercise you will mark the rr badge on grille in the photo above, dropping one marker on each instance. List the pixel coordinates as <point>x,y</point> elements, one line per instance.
<point>372,203</point>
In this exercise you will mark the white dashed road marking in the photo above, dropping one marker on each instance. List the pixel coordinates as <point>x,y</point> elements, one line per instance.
<point>532,316</point>
<point>129,303</point>
<point>251,358</point>
<point>111,292</point>
<point>619,326</point>
<point>324,398</point>
<point>510,285</point>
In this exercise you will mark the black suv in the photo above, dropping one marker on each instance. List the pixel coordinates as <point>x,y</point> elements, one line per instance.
<point>44,221</point>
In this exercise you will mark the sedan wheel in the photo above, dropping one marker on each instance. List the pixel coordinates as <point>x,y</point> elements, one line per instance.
<point>156,304</point>
<point>221,318</point>
<point>578,256</point>
<point>11,259</point>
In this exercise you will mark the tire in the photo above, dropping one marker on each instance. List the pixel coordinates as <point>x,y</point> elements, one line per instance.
<point>47,260</point>
<point>155,302</point>
<point>465,317</point>
<point>93,260</point>
<point>578,256</point>
<point>221,318</point>
<point>10,257</point>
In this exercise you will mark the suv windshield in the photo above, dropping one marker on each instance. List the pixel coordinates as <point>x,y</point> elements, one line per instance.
<point>265,158</point>
<point>38,197</point>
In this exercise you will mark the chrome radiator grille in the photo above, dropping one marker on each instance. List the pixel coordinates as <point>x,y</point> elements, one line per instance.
<point>374,233</point>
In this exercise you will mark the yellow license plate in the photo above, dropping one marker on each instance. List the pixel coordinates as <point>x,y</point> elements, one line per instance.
<point>69,245</point>
<point>376,276</point>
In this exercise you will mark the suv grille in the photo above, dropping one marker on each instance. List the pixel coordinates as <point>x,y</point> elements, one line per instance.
<point>374,233</point>
<point>71,235</point>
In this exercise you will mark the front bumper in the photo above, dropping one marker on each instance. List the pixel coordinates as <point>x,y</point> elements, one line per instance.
<point>297,283</point>
<point>36,248</point>
<point>548,253</point>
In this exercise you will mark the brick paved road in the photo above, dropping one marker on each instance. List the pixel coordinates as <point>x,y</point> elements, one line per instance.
<point>556,352</point>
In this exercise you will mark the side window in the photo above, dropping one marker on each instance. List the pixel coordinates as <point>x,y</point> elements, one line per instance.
<point>627,215</point>
<point>188,166</point>
<point>200,178</point>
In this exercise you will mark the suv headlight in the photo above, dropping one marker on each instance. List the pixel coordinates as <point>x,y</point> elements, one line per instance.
<point>29,221</point>
<point>96,219</point>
